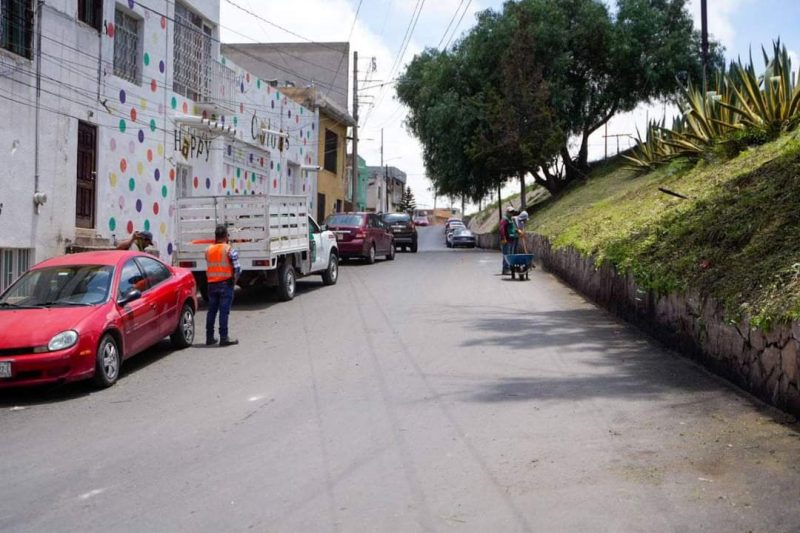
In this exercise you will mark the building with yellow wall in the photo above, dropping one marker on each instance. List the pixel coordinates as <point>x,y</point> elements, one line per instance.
<point>332,191</point>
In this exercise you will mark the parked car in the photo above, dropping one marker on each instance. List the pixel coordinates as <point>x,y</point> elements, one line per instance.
<point>421,220</point>
<point>403,229</point>
<point>451,222</point>
<point>361,235</point>
<point>461,236</point>
<point>80,316</point>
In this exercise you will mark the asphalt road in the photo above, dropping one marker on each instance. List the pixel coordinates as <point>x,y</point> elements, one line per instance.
<point>424,394</point>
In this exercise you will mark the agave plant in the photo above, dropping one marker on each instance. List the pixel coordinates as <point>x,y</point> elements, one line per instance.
<point>651,150</point>
<point>771,102</point>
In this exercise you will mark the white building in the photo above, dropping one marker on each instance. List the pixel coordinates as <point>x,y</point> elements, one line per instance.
<point>385,188</point>
<point>134,108</point>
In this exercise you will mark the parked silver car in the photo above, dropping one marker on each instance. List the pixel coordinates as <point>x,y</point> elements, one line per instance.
<point>460,236</point>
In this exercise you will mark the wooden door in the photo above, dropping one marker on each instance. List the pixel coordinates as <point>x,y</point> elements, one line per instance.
<point>85,207</point>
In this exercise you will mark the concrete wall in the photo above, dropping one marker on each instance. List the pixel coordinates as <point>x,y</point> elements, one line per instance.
<point>763,363</point>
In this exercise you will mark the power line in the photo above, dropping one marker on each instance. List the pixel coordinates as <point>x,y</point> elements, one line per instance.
<point>453,18</point>
<point>455,30</point>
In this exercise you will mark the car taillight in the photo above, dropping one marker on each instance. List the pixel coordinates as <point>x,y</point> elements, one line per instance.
<point>360,234</point>
<point>260,262</point>
<point>187,264</point>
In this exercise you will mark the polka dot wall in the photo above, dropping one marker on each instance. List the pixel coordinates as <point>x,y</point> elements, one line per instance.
<point>139,149</point>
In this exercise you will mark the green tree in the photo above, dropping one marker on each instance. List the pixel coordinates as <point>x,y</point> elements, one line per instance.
<point>407,202</point>
<point>513,93</point>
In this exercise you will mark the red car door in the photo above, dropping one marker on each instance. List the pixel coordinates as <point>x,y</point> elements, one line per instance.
<point>377,234</point>
<point>162,295</point>
<point>137,315</point>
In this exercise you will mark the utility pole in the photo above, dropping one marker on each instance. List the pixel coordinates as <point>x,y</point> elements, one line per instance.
<point>704,37</point>
<point>354,172</point>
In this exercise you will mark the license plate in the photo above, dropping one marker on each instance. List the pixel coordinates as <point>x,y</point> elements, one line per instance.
<point>5,369</point>
<point>398,230</point>
<point>340,236</point>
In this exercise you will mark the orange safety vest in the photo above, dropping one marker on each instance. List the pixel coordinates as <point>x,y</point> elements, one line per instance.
<point>219,264</point>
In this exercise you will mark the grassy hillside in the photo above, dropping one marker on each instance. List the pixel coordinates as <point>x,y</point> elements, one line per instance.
<point>737,237</point>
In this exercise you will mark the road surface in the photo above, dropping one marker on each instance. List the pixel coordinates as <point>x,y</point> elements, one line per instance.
<point>424,394</point>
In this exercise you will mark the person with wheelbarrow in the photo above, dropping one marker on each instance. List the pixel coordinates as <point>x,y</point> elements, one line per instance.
<point>508,237</point>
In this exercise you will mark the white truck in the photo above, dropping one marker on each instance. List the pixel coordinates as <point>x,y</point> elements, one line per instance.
<point>277,239</point>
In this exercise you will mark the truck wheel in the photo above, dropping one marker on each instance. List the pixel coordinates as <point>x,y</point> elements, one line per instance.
<point>371,256</point>
<point>331,274</point>
<point>286,281</point>
<point>202,285</point>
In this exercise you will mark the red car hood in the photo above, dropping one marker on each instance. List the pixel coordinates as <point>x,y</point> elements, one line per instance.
<point>22,328</point>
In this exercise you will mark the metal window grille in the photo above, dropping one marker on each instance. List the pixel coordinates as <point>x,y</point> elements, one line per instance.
<point>192,54</point>
<point>16,26</point>
<point>331,151</point>
<point>126,47</point>
<point>14,262</point>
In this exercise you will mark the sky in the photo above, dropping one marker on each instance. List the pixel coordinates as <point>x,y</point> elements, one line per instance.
<point>377,28</point>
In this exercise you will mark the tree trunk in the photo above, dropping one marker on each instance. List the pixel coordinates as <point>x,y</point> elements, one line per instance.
<point>499,203</point>
<point>523,203</point>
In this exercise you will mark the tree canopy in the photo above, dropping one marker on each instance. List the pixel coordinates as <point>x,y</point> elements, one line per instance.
<point>526,81</point>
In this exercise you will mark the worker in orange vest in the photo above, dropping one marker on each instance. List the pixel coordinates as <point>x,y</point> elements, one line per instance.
<point>222,270</point>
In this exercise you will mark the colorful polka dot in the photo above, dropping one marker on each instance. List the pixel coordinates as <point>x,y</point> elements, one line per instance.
<point>133,114</point>
<point>153,85</point>
<point>172,174</point>
<point>163,23</point>
<point>164,191</point>
<point>122,125</point>
<point>169,248</point>
<point>150,156</point>
<point>174,103</point>
<point>122,96</point>
<point>162,228</point>
<point>130,226</point>
<point>161,66</point>
<point>160,150</point>
<point>157,174</point>
<point>110,29</point>
<point>112,144</point>
<point>196,182</point>
<point>140,168</point>
<point>131,184</point>
<point>185,107</point>
<point>112,224</point>
<point>138,206</point>
<point>140,136</point>
<point>123,165</point>
<point>155,208</point>
<point>147,225</point>
<point>146,59</point>
<point>112,178</point>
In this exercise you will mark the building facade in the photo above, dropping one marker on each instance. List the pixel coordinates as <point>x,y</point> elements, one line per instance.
<point>385,188</point>
<point>135,109</point>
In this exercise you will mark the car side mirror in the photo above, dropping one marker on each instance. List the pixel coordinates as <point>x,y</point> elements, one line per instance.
<point>131,295</point>
<point>323,227</point>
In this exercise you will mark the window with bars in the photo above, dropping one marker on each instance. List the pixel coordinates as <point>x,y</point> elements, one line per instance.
<point>331,151</point>
<point>191,54</point>
<point>126,46</point>
<point>14,262</point>
<point>16,26</point>
<point>91,12</point>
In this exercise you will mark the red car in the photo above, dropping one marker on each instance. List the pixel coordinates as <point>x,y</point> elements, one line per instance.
<point>362,235</point>
<point>79,316</point>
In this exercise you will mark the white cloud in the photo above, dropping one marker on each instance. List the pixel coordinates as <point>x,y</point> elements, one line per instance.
<point>720,13</point>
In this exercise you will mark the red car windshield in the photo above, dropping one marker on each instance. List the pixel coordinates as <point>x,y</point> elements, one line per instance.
<point>60,287</point>
<point>344,220</point>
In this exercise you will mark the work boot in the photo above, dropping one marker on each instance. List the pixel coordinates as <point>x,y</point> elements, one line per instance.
<point>211,342</point>
<point>228,342</point>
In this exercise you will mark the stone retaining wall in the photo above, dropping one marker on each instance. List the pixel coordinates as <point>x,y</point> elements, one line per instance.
<point>763,363</point>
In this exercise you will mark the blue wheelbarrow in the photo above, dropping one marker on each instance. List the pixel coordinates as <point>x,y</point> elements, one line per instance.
<point>519,264</point>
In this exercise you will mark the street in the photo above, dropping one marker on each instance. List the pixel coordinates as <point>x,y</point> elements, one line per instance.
<point>424,394</point>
